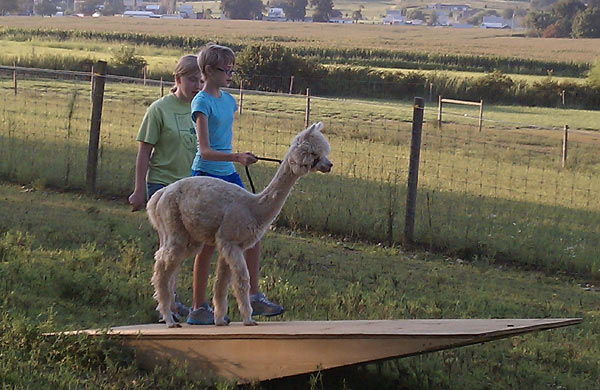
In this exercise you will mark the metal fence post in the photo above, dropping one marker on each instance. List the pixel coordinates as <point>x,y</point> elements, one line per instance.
<point>97,100</point>
<point>413,171</point>
<point>15,77</point>
<point>241,96</point>
<point>307,113</point>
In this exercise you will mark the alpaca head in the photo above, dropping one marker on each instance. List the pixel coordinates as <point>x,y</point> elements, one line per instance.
<point>309,151</point>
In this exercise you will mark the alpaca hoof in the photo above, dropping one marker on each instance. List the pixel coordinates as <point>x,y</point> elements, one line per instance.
<point>221,322</point>
<point>250,322</point>
<point>174,325</point>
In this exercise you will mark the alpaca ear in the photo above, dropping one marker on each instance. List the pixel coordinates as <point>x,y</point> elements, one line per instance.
<point>318,126</point>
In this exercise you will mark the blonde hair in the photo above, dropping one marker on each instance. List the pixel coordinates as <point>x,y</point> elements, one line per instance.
<point>186,65</point>
<point>215,55</point>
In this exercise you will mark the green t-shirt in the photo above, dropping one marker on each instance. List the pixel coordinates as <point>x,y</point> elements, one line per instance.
<point>168,126</point>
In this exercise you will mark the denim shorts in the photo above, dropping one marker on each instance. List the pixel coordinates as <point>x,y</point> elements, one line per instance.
<point>233,178</point>
<point>151,188</point>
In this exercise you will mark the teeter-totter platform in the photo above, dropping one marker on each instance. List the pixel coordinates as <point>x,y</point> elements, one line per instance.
<point>278,349</point>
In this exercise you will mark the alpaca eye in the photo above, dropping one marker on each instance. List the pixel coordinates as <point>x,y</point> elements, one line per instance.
<point>315,162</point>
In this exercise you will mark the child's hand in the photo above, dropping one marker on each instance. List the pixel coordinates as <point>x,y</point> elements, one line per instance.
<point>246,158</point>
<point>137,201</point>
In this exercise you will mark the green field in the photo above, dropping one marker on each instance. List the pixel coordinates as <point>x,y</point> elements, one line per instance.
<point>499,195</point>
<point>89,264</point>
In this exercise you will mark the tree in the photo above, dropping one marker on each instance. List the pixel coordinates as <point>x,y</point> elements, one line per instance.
<point>45,8</point>
<point>586,24</point>
<point>8,6</point>
<point>539,21</point>
<point>88,7</point>
<point>112,7</point>
<point>415,13</point>
<point>264,66</point>
<point>243,9</point>
<point>357,15</point>
<point>295,9</point>
<point>323,10</point>
<point>567,9</point>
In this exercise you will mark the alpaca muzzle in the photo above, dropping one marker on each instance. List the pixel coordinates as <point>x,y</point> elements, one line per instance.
<point>324,165</point>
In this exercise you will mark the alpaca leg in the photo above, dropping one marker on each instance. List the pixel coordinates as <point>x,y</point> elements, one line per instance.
<point>166,263</point>
<point>234,256</point>
<point>220,291</point>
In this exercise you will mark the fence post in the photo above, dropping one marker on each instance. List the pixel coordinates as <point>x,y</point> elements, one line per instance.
<point>144,71</point>
<point>562,97</point>
<point>430,92</point>
<point>92,83</point>
<point>291,84</point>
<point>565,145</point>
<point>413,171</point>
<point>440,109</point>
<point>162,87</point>
<point>307,116</point>
<point>480,114</point>
<point>97,100</point>
<point>15,77</point>
<point>241,96</point>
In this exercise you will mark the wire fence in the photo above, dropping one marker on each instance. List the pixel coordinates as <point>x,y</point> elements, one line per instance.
<point>500,194</point>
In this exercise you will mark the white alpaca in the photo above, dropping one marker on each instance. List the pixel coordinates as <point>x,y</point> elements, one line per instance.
<point>198,210</point>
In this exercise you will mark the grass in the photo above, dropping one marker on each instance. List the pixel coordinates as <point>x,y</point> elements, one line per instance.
<point>407,38</point>
<point>499,194</point>
<point>89,263</point>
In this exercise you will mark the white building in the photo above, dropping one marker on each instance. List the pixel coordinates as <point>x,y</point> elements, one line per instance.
<point>393,16</point>
<point>276,15</point>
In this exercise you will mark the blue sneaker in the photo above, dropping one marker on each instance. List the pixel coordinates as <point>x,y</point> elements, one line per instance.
<point>261,306</point>
<point>204,315</point>
<point>182,312</point>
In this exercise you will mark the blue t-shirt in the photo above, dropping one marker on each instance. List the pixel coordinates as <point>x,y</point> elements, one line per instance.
<point>220,113</point>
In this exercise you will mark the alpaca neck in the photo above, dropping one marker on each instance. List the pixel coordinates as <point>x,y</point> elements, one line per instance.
<point>272,198</point>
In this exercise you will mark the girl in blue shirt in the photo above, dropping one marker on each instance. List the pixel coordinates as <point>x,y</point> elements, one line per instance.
<point>213,113</point>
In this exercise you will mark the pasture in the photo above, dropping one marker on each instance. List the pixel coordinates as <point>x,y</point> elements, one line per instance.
<point>500,195</point>
<point>502,229</point>
<point>105,257</point>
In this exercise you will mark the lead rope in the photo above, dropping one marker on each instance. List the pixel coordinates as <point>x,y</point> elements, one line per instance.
<point>248,171</point>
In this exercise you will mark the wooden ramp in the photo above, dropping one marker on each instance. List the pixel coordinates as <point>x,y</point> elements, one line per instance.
<point>278,349</point>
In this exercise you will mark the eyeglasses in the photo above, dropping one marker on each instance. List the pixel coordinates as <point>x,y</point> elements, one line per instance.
<point>228,72</point>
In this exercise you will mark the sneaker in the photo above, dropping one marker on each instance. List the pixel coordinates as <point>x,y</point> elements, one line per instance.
<point>180,314</point>
<point>204,315</point>
<point>261,306</point>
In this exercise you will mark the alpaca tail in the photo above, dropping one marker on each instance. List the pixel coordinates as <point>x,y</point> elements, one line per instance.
<point>152,211</point>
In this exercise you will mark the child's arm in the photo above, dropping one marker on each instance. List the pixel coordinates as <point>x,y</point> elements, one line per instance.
<point>209,153</point>
<point>142,161</point>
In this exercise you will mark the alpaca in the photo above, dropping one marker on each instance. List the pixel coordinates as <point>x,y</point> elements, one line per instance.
<point>198,210</point>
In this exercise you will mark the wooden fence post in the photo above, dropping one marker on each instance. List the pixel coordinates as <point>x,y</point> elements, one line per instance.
<point>439,109</point>
<point>562,97</point>
<point>307,113</point>
<point>15,77</point>
<point>97,100</point>
<point>162,87</point>
<point>565,145</point>
<point>480,115</point>
<point>291,84</point>
<point>241,96</point>
<point>413,171</point>
<point>145,71</point>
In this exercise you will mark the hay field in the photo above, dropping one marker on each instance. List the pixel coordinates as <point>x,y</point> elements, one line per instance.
<point>409,38</point>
